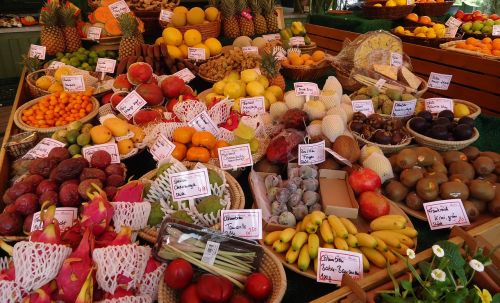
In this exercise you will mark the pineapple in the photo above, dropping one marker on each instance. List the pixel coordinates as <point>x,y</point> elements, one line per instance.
<point>51,36</point>
<point>131,35</point>
<point>245,21</point>
<point>230,22</point>
<point>68,18</point>
<point>271,69</point>
<point>259,21</point>
<point>270,14</point>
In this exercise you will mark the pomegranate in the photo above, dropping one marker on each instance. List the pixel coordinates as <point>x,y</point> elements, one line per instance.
<point>373,205</point>
<point>364,179</point>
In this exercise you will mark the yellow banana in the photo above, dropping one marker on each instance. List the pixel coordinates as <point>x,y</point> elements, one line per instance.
<point>384,234</point>
<point>352,241</point>
<point>326,232</point>
<point>280,247</point>
<point>374,256</point>
<point>298,227</point>
<point>390,256</point>
<point>387,238</point>
<point>366,263</point>
<point>292,255</point>
<point>305,221</point>
<point>351,228</point>
<point>317,217</point>
<point>381,246</point>
<point>298,240</point>
<point>315,263</point>
<point>337,226</point>
<point>340,243</point>
<point>383,223</point>
<point>407,231</point>
<point>400,250</point>
<point>304,258</point>
<point>287,234</point>
<point>395,218</point>
<point>271,237</point>
<point>313,245</point>
<point>328,245</point>
<point>366,240</point>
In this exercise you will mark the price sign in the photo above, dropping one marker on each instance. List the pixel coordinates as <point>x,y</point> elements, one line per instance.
<point>334,263</point>
<point>119,8</point>
<point>43,148</point>
<point>185,74</point>
<point>196,53</point>
<point>232,157</point>
<point>55,65</point>
<point>396,59</point>
<point>380,82</point>
<point>73,83</point>
<point>162,148</point>
<point>252,106</point>
<point>403,108</point>
<point>94,33</point>
<point>451,32</point>
<point>110,148</point>
<point>338,157</point>
<point>130,105</point>
<point>64,215</point>
<point>306,89</point>
<point>250,50</point>
<point>280,55</point>
<point>243,223</point>
<point>446,214</point>
<point>496,30</point>
<point>297,41</point>
<point>210,253</point>
<point>166,15</point>
<point>437,105</point>
<point>271,37</point>
<point>439,81</point>
<point>312,153</point>
<point>364,106</point>
<point>453,22</point>
<point>105,65</point>
<point>203,122</point>
<point>37,51</point>
<point>190,184</point>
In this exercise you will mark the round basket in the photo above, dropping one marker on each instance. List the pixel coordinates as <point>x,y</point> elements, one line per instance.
<point>432,9</point>
<point>209,80</point>
<point>305,72</point>
<point>308,49</point>
<point>475,110</point>
<point>14,238</point>
<point>20,123</point>
<point>431,42</point>
<point>207,30</point>
<point>441,145</point>
<point>347,82</point>
<point>392,13</point>
<point>411,23</point>
<point>270,266</point>
<point>386,149</point>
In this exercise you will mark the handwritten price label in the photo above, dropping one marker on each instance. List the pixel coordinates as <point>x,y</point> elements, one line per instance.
<point>110,148</point>
<point>73,83</point>
<point>55,65</point>
<point>185,74</point>
<point>439,81</point>
<point>162,148</point>
<point>166,15</point>
<point>232,157</point>
<point>437,105</point>
<point>297,41</point>
<point>252,106</point>
<point>119,8</point>
<point>203,122</point>
<point>190,184</point>
<point>496,30</point>
<point>396,59</point>
<point>94,33</point>
<point>334,263</point>
<point>271,37</point>
<point>312,153</point>
<point>451,32</point>
<point>131,104</point>
<point>363,106</point>
<point>196,53</point>
<point>403,108</point>
<point>37,51</point>
<point>64,215</point>
<point>105,65</point>
<point>306,89</point>
<point>250,50</point>
<point>338,157</point>
<point>380,82</point>
<point>243,223</point>
<point>453,22</point>
<point>43,148</point>
<point>446,213</point>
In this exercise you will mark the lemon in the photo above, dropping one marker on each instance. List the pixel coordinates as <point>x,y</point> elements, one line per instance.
<point>211,13</point>
<point>249,75</point>
<point>377,5</point>
<point>55,87</point>
<point>440,32</point>
<point>214,46</point>
<point>430,34</point>
<point>243,86</point>
<point>401,2</point>
<point>276,90</point>
<point>255,89</point>
<point>422,35</point>
<point>192,37</point>
<point>207,50</point>
<point>184,50</point>
<point>391,3</point>
<point>399,30</point>
<point>438,26</point>
<point>159,40</point>
<point>219,87</point>
<point>180,9</point>
<point>232,90</point>
<point>174,52</point>
<point>264,81</point>
<point>44,82</point>
<point>269,96</point>
<point>460,110</point>
<point>172,36</point>
<point>195,16</point>
<point>233,76</point>
<point>210,98</point>
<point>62,71</point>
<point>178,19</point>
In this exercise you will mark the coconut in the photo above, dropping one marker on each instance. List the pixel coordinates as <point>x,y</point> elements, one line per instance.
<point>332,126</point>
<point>315,109</point>
<point>314,129</point>
<point>333,84</point>
<point>348,110</point>
<point>294,101</point>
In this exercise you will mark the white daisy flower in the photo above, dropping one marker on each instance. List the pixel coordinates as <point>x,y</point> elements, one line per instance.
<point>410,253</point>
<point>476,265</point>
<point>438,251</point>
<point>438,275</point>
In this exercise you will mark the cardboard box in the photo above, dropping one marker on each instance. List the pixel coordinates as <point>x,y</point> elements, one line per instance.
<point>337,197</point>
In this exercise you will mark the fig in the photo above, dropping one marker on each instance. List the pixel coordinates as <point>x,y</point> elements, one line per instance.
<point>86,186</point>
<point>382,137</point>
<point>19,189</point>
<point>42,166</point>
<point>59,154</point>
<point>448,114</point>
<point>466,120</point>
<point>50,196</point>
<point>93,173</point>
<point>439,132</point>
<point>425,115</point>
<point>34,179</point>
<point>27,204</point>
<point>463,132</point>
<point>69,196</point>
<point>115,169</point>
<point>46,185</point>
<point>100,159</point>
<point>115,180</point>
<point>356,126</point>
<point>419,124</point>
<point>10,224</point>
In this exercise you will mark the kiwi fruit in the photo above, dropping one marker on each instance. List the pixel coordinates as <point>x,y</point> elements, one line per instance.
<point>413,201</point>
<point>471,152</point>
<point>462,167</point>
<point>452,156</point>
<point>494,156</point>
<point>410,176</point>
<point>437,156</point>
<point>438,167</point>
<point>494,206</point>
<point>395,167</point>
<point>438,177</point>
<point>483,165</point>
<point>425,157</point>
<point>492,178</point>
<point>480,205</point>
<point>396,191</point>
<point>459,177</point>
<point>471,210</point>
<point>497,168</point>
<point>329,164</point>
<point>406,158</point>
<point>482,190</point>
<point>427,189</point>
<point>454,190</point>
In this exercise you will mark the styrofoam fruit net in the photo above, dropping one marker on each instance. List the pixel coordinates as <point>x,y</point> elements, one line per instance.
<point>151,281</point>
<point>220,112</point>
<point>187,110</point>
<point>152,131</point>
<point>10,292</point>
<point>106,109</point>
<point>4,263</point>
<point>38,263</point>
<point>129,299</point>
<point>127,260</point>
<point>133,214</point>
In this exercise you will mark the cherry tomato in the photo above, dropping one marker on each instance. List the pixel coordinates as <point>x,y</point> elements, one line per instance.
<point>258,286</point>
<point>178,274</point>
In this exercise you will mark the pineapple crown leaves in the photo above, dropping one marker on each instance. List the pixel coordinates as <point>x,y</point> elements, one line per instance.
<point>68,16</point>
<point>32,64</point>
<point>256,9</point>
<point>128,25</point>
<point>50,14</point>
<point>270,64</point>
<point>228,8</point>
<point>267,6</point>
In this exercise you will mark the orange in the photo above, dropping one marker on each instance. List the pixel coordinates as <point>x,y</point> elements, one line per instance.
<point>495,52</point>
<point>471,41</point>
<point>305,57</point>
<point>461,45</point>
<point>309,62</point>
<point>179,151</point>
<point>318,56</point>
<point>487,40</point>
<point>204,138</point>
<point>486,51</point>
<point>413,17</point>
<point>297,61</point>
<point>293,55</point>
<point>214,152</point>
<point>425,20</point>
<point>199,154</point>
<point>183,134</point>
<point>496,44</point>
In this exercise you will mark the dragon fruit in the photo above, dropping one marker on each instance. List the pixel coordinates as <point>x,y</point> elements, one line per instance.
<point>98,213</point>
<point>72,235</point>
<point>152,265</point>
<point>38,296</point>
<point>51,233</point>
<point>75,269</point>
<point>119,293</point>
<point>86,292</point>
<point>105,238</point>
<point>130,192</point>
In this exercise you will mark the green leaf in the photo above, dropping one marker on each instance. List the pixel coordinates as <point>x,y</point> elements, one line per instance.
<point>425,267</point>
<point>406,285</point>
<point>496,298</point>
<point>390,299</point>
<point>457,262</point>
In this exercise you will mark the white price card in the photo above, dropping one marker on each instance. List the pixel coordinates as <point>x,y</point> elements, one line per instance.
<point>453,22</point>
<point>37,51</point>
<point>396,59</point>
<point>119,8</point>
<point>243,223</point>
<point>446,214</point>
<point>496,30</point>
<point>203,122</point>
<point>185,74</point>
<point>403,108</point>
<point>439,81</point>
<point>166,15</point>
<point>437,105</point>
<point>130,105</point>
<point>451,32</point>
<point>272,37</point>
<point>297,41</point>
<point>235,156</point>
<point>334,263</point>
<point>190,184</point>
<point>196,53</point>
<point>73,83</point>
<point>380,82</point>
<point>210,253</point>
<point>306,89</point>
<point>313,153</point>
<point>94,33</point>
<point>363,106</point>
<point>55,64</point>
<point>338,157</point>
<point>105,65</point>
<point>110,148</point>
<point>66,216</point>
<point>43,148</point>
<point>250,50</point>
<point>280,55</point>
<point>252,106</point>
<point>162,148</point>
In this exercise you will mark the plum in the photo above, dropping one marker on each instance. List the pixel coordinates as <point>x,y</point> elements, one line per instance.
<point>115,169</point>
<point>59,154</point>
<point>110,192</point>
<point>50,196</point>
<point>27,224</point>
<point>27,204</point>
<point>115,180</point>
<point>46,185</point>
<point>68,195</point>
<point>10,224</point>
<point>34,179</point>
<point>93,173</point>
<point>86,186</point>
<point>42,166</point>
<point>100,159</point>
<point>70,169</point>
<point>19,189</point>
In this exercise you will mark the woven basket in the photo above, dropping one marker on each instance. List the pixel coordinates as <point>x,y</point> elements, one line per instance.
<point>270,266</point>
<point>451,47</point>
<point>13,238</point>
<point>411,23</point>
<point>308,49</point>
<point>386,149</point>
<point>475,110</point>
<point>209,80</point>
<point>207,30</point>
<point>432,9</point>
<point>347,82</point>
<point>20,123</point>
<point>392,13</point>
<point>20,144</point>
<point>441,145</point>
<point>431,42</point>
<point>305,72</point>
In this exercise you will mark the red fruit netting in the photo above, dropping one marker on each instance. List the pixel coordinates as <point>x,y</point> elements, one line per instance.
<point>151,282</point>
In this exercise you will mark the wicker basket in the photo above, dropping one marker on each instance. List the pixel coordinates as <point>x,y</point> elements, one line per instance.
<point>475,110</point>
<point>433,9</point>
<point>451,46</point>
<point>305,72</point>
<point>441,145</point>
<point>270,266</point>
<point>308,49</point>
<point>386,149</point>
<point>347,82</point>
<point>209,80</point>
<point>431,42</point>
<point>20,144</point>
<point>20,123</point>
<point>392,13</point>
<point>207,30</point>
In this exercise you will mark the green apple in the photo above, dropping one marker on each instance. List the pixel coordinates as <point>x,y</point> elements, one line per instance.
<point>487,30</point>
<point>489,22</point>
<point>477,25</point>
<point>497,22</point>
<point>467,26</point>
<point>477,33</point>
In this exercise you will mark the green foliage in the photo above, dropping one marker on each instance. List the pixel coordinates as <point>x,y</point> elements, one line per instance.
<point>456,261</point>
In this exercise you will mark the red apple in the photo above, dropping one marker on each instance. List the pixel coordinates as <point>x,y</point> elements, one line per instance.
<point>172,86</point>
<point>145,116</point>
<point>373,205</point>
<point>494,17</point>
<point>121,83</point>
<point>364,179</point>
<point>467,17</point>
<point>476,13</point>
<point>116,98</point>
<point>106,98</point>
<point>459,15</point>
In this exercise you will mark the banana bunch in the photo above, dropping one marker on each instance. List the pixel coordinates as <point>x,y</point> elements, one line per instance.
<point>300,244</point>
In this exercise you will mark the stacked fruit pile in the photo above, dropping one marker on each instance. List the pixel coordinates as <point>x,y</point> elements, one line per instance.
<point>76,135</point>
<point>84,59</point>
<point>295,30</point>
<point>234,60</point>
<point>485,46</point>
<point>438,30</point>
<point>443,127</point>
<point>295,59</point>
<point>379,129</point>
<point>182,16</point>
<point>383,102</point>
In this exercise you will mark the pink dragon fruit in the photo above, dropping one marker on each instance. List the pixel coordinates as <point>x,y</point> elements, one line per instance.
<point>51,233</point>
<point>98,213</point>
<point>105,238</point>
<point>86,292</point>
<point>72,235</point>
<point>119,293</point>
<point>130,192</point>
<point>38,296</point>
<point>152,265</point>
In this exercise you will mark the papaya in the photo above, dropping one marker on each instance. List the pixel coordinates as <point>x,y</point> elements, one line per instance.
<point>103,14</point>
<point>112,27</point>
